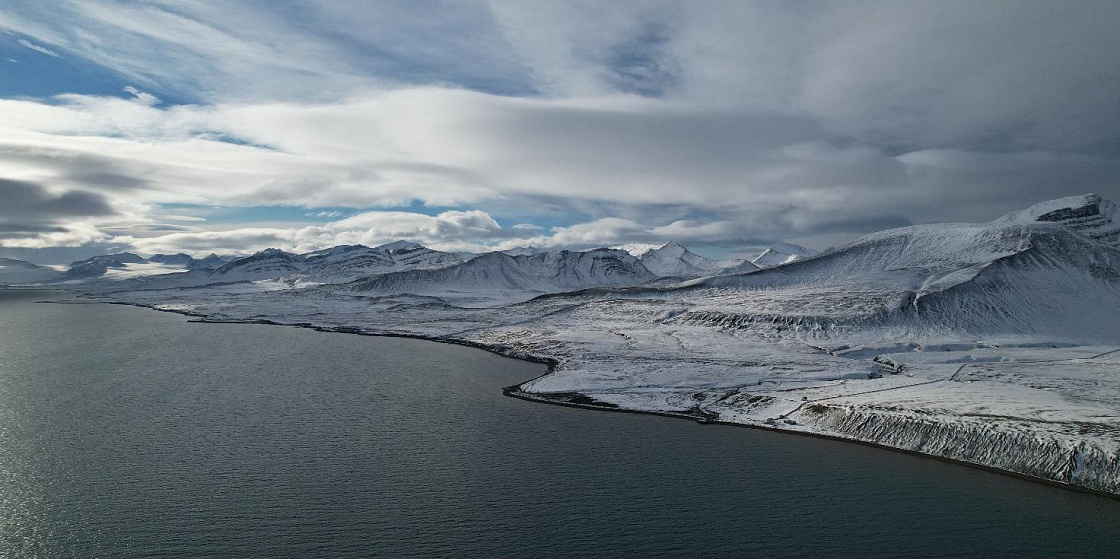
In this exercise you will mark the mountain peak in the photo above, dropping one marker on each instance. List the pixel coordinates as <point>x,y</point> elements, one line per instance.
<point>637,249</point>
<point>782,253</point>
<point>672,248</point>
<point>1087,214</point>
<point>399,245</point>
<point>674,260</point>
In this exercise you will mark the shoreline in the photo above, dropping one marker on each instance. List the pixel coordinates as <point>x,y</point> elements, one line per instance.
<point>513,392</point>
<point>578,400</point>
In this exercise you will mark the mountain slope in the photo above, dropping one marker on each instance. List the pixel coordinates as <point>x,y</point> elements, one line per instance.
<point>1015,275</point>
<point>100,265</point>
<point>344,264</point>
<point>267,264</point>
<point>188,262</point>
<point>211,261</point>
<point>505,277</point>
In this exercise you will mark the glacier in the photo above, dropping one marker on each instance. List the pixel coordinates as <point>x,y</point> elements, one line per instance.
<point>994,344</point>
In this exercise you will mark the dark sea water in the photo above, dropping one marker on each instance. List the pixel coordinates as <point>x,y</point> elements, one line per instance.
<point>126,432</point>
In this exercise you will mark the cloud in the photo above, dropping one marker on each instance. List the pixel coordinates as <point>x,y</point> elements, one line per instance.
<point>33,216</point>
<point>29,200</point>
<point>771,175</point>
<point>38,48</point>
<point>191,218</point>
<point>141,97</point>
<point>284,49</point>
<point>454,230</point>
<point>23,230</point>
<point>633,121</point>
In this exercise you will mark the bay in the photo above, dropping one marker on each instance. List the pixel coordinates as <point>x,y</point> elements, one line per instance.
<point>126,432</point>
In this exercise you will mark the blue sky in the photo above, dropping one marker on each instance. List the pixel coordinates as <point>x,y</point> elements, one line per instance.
<point>166,126</point>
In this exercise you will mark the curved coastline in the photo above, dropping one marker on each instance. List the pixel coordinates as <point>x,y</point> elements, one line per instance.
<point>577,400</point>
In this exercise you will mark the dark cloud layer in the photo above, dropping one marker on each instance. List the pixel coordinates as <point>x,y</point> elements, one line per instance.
<point>27,200</point>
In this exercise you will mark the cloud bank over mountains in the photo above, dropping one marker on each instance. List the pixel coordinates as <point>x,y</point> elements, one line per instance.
<point>471,125</point>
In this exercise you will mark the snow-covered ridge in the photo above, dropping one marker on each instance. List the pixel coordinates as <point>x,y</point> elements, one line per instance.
<point>1088,215</point>
<point>505,278</point>
<point>354,263</point>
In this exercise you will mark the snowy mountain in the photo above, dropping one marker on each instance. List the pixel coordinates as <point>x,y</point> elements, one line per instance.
<point>417,256</point>
<point>673,260</point>
<point>126,266</point>
<point>188,262</point>
<point>267,264</point>
<point>743,267</point>
<point>1038,271</point>
<point>210,261</point>
<point>17,272</point>
<point>338,264</point>
<point>120,257</point>
<point>999,277</point>
<point>344,264</point>
<point>100,265</point>
<point>399,245</point>
<point>782,253</point>
<point>179,259</point>
<point>506,278</point>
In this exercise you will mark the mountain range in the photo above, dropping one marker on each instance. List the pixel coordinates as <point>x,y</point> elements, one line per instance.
<point>993,343</point>
<point>507,276</point>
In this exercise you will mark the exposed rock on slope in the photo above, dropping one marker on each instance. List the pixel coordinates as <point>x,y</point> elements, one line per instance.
<point>266,264</point>
<point>515,277</point>
<point>100,265</point>
<point>349,263</point>
<point>1087,215</point>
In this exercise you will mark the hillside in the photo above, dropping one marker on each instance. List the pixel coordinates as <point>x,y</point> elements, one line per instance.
<point>501,278</point>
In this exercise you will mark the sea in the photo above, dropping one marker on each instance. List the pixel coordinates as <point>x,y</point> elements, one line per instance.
<point>127,432</point>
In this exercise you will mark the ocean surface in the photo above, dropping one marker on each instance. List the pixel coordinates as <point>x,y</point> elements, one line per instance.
<point>126,432</point>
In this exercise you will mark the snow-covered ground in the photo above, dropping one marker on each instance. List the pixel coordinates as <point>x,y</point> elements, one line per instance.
<point>994,344</point>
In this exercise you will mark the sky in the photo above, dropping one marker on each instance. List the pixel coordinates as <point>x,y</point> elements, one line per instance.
<point>198,126</point>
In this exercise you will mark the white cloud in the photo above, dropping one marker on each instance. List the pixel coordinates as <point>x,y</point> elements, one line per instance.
<point>753,175</point>
<point>614,231</point>
<point>763,120</point>
<point>141,97</point>
<point>454,230</point>
<point>191,218</point>
<point>38,48</point>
